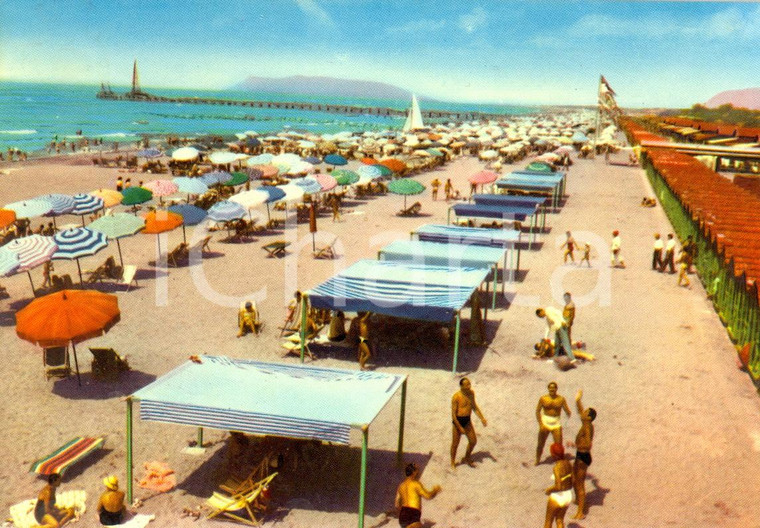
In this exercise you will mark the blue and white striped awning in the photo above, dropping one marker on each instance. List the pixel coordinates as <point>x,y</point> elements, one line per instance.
<point>86,204</point>
<point>78,242</point>
<point>225,211</point>
<point>479,236</point>
<point>268,398</point>
<point>426,293</point>
<point>453,255</point>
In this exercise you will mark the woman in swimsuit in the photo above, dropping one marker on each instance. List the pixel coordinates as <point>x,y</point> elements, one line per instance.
<point>45,511</point>
<point>561,493</point>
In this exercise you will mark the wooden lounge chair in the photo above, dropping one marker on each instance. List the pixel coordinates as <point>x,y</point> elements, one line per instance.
<point>276,249</point>
<point>326,252</point>
<point>107,364</point>
<point>178,254</point>
<point>200,247</point>
<point>67,455</point>
<point>247,504</point>
<point>128,276</point>
<point>412,210</point>
<point>292,344</point>
<point>96,275</point>
<point>56,361</point>
<point>235,485</point>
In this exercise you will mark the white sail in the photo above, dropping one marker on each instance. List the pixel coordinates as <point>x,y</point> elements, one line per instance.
<point>414,117</point>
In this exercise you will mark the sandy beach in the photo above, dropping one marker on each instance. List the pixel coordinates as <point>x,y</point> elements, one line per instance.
<point>677,431</point>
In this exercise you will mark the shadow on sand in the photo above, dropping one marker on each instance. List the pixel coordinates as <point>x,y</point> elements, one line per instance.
<point>91,389</point>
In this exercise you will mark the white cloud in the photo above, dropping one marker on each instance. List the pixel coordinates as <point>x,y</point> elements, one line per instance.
<point>418,26</point>
<point>313,10</point>
<point>473,20</point>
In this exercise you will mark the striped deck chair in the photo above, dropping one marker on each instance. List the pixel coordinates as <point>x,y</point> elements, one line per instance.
<point>67,455</point>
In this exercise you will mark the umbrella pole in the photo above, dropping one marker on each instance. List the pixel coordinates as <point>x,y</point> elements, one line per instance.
<point>184,237</point>
<point>400,450</point>
<point>120,257</point>
<point>363,475</point>
<point>82,220</point>
<point>129,449</point>
<point>269,218</point>
<point>76,363</point>
<point>30,282</point>
<point>456,344</point>
<point>79,268</point>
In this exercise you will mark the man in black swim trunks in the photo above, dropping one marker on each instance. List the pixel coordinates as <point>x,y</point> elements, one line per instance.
<point>408,499</point>
<point>462,406</point>
<point>583,453</point>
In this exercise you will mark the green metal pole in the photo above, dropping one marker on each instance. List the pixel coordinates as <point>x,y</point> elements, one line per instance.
<point>495,277</point>
<point>363,478</point>
<point>456,343</point>
<point>303,325</point>
<point>400,450</point>
<point>200,437</point>
<point>129,450</point>
<point>448,216</point>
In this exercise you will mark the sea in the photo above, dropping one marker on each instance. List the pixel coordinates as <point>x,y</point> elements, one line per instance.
<point>34,114</point>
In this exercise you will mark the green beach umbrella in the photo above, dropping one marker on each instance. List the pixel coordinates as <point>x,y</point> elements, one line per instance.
<point>238,178</point>
<point>135,195</point>
<point>406,187</point>
<point>345,177</point>
<point>384,171</point>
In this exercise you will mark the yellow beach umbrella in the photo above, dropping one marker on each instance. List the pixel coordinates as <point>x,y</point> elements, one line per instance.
<point>109,196</point>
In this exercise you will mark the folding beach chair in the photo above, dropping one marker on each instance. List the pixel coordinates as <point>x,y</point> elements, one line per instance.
<point>67,455</point>
<point>292,344</point>
<point>276,249</point>
<point>56,361</point>
<point>326,252</point>
<point>107,364</point>
<point>246,503</point>
<point>128,276</point>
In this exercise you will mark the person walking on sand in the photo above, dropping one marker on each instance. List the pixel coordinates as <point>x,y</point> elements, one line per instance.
<point>657,252</point>
<point>548,414</point>
<point>586,255</point>
<point>434,185</point>
<point>583,441</point>
<point>569,245</point>
<point>561,493</point>
<point>683,269</point>
<point>46,513</point>
<point>462,406</point>
<point>568,312</point>
<point>111,504</point>
<point>670,252</point>
<point>616,260</point>
<point>409,498</point>
<point>448,189</point>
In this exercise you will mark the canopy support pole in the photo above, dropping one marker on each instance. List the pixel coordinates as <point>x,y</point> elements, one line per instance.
<point>76,363</point>
<point>456,343</point>
<point>448,216</point>
<point>302,330</point>
<point>200,437</point>
<point>400,450</point>
<point>129,449</point>
<point>363,477</point>
<point>495,277</point>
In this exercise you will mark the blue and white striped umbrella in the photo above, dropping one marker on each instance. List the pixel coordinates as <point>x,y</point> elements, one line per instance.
<point>309,185</point>
<point>150,153</point>
<point>225,211</point>
<point>369,171</point>
<point>30,208</point>
<point>9,262</point>
<point>216,177</point>
<point>86,204</point>
<point>261,159</point>
<point>190,185</point>
<point>61,204</point>
<point>32,250</point>
<point>78,242</point>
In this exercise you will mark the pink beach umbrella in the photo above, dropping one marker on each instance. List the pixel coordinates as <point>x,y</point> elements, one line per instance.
<point>483,177</point>
<point>161,188</point>
<point>327,182</point>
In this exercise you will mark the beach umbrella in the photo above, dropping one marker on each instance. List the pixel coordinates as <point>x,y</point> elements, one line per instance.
<point>157,222</point>
<point>261,159</point>
<point>369,161</point>
<point>539,166</point>
<point>488,155</point>
<point>394,164</point>
<point>335,159</point>
<point>369,171</point>
<point>221,157</point>
<point>286,159</point>
<point>7,217</point>
<point>136,195</point>
<point>30,208</point>
<point>67,316</point>
<point>85,204</point>
<point>190,185</point>
<point>384,171</point>
<point>273,194</point>
<point>149,153</point>
<point>434,152</point>
<point>252,142</point>
<point>161,188</point>
<point>267,171</point>
<point>327,181</point>
<point>32,251</point>
<point>405,187</point>
<point>117,226</point>
<point>250,199</point>
<point>345,177</point>
<point>109,196</point>
<point>76,243</point>
<point>293,193</point>
<point>579,137</point>
<point>215,177</point>
<point>9,262</point>
<point>309,185</point>
<point>60,204</point>
<point>254,174</point>
<point>236,178</point>
<point>185,154</point>
<point>191,215</point>
<point>313,160</point>
<point>225,211</point>
<point>483,177</point>
<point>301,167</point>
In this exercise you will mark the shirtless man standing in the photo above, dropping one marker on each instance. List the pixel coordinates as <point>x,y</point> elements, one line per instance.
<point>462,406</point>
<point>548,413</point>
<point>583,453</point>
<point>408,498</point>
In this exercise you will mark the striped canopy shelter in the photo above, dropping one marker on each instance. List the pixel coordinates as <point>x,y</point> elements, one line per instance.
<point>78,242</point>
<point>409,291</point>
<point>299,402</point>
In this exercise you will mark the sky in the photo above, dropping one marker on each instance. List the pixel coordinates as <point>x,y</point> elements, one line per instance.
<point>653,54</point>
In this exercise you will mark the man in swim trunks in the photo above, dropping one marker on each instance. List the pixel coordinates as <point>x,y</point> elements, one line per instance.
<point>365,352</point>
<point>583,453</point>
<point>561,493</point>
<point>408,499</point>
<point>548,414</point>
<point>111,504</point>
<point>45,511</point>
<point>462,406</point>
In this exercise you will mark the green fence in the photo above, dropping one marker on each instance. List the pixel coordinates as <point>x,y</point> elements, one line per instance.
<point>735,302</point>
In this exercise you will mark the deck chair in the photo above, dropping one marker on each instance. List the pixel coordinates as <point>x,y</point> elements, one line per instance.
<point>201,246</point>
<point>247,503</point>
<point>292,344</point>
<point>96,275</point>
<point>178,254</point>
<point>128,276</point>
<point>326,252</point>
<point>67,455</point>
<point>412,210</point>
<point>107,364</point>
<point>235,485</point>
<point>56,361</point>
<point>276,249</point>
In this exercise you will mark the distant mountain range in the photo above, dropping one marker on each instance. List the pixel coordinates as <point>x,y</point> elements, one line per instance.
<point>322,86</point>
<point>747,98</point>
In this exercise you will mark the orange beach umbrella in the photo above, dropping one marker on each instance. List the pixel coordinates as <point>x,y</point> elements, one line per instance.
<point>394,164</point>
<point>7,217</point>
<point>161,221</point>
<point>67,316</point>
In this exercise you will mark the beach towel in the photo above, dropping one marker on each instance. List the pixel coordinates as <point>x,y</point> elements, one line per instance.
<point>68,454</point>
<point>159,477</point>
<point>138,521</point>
<point>22,514</point>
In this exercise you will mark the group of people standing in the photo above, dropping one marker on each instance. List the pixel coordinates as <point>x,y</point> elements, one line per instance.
<point>663,257</point>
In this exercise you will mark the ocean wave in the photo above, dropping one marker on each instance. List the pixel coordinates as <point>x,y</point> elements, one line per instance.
<point>18,132</point>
